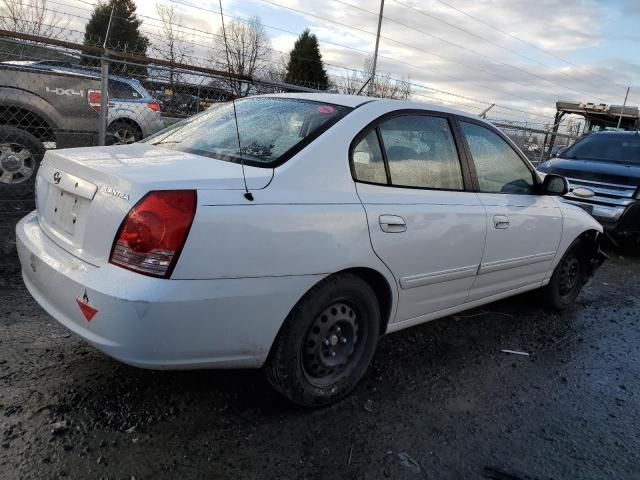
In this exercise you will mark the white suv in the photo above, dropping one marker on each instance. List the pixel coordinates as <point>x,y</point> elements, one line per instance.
<point>337,220</point>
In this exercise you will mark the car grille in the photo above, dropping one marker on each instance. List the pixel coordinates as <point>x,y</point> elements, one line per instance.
<point>609,200</point>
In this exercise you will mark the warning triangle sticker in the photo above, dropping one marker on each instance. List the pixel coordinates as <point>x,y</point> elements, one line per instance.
<point>87,310</point>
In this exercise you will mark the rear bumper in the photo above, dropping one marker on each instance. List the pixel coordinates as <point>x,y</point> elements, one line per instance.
<point>156,323</point>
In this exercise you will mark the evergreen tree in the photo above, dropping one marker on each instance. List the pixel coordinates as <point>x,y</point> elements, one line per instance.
<point>124,34</point>
<point>305,63</point>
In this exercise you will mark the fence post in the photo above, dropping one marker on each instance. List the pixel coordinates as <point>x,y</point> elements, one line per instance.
<point>104,100</point>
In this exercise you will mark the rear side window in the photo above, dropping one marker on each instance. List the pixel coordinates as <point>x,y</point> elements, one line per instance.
<point>270,129</point>
<point>419,151</point>
<point>122,90</point>
<point>368,162</point>
<point>498,167</point>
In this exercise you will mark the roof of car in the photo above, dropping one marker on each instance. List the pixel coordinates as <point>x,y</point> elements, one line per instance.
<point>616,132</point>
<point>354,101</point>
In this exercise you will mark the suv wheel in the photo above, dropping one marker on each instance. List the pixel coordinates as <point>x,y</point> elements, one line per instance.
<point>123,133</point>
<point>20,156</point>
<point>326,343</point>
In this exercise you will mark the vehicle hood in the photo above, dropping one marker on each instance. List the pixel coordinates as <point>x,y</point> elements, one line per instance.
<point>599,171</point>
<point>143,164</point>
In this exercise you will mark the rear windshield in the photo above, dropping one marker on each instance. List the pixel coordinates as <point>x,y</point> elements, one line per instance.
<point>270,130</point>
<point>619,149</point>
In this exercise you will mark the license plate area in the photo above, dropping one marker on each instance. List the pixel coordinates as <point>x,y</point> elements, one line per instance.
<point>66,212</point>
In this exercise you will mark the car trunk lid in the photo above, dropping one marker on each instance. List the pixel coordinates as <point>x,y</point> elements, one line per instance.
<point>83,194</point>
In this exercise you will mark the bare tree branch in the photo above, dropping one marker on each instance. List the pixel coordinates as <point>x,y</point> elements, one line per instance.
<point>32,17</point>
<point>173,47</point>
<point>249,52</point>
<point>384,86</point>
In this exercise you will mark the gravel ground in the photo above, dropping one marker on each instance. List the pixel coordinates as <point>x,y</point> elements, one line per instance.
<point>440,401</point>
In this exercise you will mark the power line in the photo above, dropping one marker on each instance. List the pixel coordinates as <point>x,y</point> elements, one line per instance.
<point>515,52</point>
<point>470,50</point>
<point>417,85</point>
<point>421,69</point>
<point>493,27</point>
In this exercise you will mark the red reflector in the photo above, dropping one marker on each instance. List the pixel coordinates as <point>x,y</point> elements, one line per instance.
<point>153,233</point>
<point>87,310</point>
<point>93,98</point>
<point>155,106</point>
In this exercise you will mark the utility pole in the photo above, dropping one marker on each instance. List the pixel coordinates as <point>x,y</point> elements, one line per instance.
<point>375,53</point>
<point>623,105</point>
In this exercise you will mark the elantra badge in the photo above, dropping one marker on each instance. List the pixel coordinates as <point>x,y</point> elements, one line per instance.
<point>57,177</point>
<point>116,193</point>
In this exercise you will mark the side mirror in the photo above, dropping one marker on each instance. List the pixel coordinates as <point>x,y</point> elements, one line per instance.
<point>555,185</point>
<point>555,155</point>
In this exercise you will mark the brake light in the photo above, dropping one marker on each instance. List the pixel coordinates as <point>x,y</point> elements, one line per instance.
<point>155,106</point>
<point>93,98</point>
<point>152,235</point>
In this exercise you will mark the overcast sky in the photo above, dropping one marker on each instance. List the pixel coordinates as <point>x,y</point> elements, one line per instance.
<point>519,54</point>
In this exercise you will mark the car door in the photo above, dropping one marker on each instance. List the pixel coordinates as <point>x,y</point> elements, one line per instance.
<point>424,225</point>
<point>524,227</point>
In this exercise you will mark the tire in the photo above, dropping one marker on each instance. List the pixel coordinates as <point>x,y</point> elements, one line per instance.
<point>122,132</point>
<point>341,315</point>
<point>567,279</point>
<point>20,157</point>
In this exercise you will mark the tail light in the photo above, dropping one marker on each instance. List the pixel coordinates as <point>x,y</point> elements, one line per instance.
<point>93,98</point>
<point>152,235</point>
<point>155,106</point>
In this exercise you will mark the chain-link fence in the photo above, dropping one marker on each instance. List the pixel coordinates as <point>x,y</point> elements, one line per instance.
<point>536,141</point>
<point>51,97</point>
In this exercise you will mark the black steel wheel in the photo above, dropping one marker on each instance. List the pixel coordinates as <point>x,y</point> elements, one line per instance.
<point>569,274</point>
<point>327,343</point>
<point>567,279</point>
<point>332,346</point>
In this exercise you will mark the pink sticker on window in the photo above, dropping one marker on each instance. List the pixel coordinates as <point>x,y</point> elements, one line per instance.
<point>326,109</point>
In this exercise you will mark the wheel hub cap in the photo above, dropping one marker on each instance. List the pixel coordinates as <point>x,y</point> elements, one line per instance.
<point>330,342</point>
<point>11,163</point>
<point>16,163</point>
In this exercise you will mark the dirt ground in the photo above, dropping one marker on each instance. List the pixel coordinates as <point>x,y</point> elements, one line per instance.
<point>440,401</point>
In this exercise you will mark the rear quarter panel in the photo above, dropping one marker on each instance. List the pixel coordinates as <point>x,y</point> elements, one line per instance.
<point>308,221</point>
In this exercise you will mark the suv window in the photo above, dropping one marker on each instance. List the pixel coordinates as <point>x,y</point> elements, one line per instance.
<point>368,163</point>
<point>121,90</point>
<point>421,152</point>
<point>498,166</point>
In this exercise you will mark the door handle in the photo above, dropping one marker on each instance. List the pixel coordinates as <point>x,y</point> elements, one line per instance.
<point>501,221</point>
<point>392,224</point>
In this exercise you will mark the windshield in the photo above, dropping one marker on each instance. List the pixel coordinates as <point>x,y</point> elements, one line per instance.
<point>270,130</point>
<point>621,149</point>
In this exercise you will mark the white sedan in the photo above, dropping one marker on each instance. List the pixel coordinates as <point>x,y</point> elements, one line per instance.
<point>295,237</point>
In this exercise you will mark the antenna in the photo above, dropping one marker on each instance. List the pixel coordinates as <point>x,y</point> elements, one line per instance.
<point>247,193</point>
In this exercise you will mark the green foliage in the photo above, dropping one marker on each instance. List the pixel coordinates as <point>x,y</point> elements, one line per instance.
<point>305,65</point>
<point>124,35</point>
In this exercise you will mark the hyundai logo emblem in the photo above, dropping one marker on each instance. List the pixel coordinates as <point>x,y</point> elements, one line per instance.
<point>57,177</point>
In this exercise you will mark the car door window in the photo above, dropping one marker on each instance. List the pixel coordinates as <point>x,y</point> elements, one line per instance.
<point>421,152</point>
<point>498,167</point>
<point>368,163</point>
<point>121,90</point>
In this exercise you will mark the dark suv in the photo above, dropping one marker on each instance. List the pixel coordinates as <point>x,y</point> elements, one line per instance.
<point>607,164</point>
